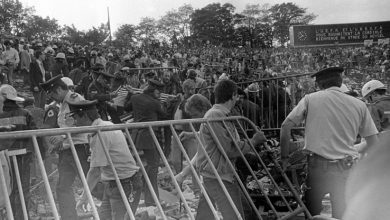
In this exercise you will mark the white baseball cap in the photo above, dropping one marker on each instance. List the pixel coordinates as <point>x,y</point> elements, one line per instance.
<point>60,56</point>
<point>10,93</point>
<point>68,81</point>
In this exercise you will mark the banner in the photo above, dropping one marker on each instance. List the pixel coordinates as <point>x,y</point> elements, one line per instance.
<point>383,41</point>
<point>338,34</point>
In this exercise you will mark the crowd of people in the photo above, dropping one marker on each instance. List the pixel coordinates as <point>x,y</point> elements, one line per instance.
<point>100,85</point>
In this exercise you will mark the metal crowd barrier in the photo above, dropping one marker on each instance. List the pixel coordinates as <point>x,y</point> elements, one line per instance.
<point>239,122</point>
<point>274,98</point>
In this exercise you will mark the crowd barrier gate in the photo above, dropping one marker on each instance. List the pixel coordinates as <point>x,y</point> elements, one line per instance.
<point>268,101</point>
<point>240,123</point>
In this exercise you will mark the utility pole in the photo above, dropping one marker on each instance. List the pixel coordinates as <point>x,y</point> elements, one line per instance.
<point>108,24</point>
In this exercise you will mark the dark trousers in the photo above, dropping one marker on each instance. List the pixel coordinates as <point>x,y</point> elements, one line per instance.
<point>40,99</point>
<point>10,74</point>
<point>24,163</point>
<point>215,192</point>
<point>112,206</point>
<point>325,177</point>
<point>26,77</point>
<point>152,158</point>
<point>67,171</point>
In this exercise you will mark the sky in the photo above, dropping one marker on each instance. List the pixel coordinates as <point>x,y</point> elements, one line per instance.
<point>87,13</point>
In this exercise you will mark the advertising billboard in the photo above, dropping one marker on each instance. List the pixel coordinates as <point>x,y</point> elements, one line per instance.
<point>339,34</point>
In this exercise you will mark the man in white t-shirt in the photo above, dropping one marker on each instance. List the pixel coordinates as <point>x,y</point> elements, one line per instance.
<point>114,142</point>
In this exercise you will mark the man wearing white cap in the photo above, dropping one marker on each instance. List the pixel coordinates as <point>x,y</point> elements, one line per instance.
<point>374,92</point>
<point>17,119</point>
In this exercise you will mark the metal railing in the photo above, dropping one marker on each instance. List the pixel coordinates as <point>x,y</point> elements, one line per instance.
<point>239,122</point>
<point>268,101</point>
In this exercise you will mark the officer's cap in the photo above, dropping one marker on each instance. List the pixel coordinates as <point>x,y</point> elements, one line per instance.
<point>98,68</point>
<point>48,85</point>
<point>150,74</point>
<point>82,105</point>
<point>156,84</point>
<point>328,73</point>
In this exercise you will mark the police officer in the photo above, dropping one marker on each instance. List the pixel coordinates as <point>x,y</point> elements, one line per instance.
<point>147,107</point>
<point>100,89</point>
<point>374,92</point>
<point>83,85</point>
<point>59,92</point>
<point>333,120</point>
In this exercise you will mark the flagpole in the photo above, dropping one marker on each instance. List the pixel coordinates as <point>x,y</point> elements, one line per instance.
<point>109,25</point>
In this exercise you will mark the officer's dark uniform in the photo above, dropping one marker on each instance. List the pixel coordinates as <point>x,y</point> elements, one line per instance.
<point>145,108</point>
<point>82,86</point>
<point>101,93</point>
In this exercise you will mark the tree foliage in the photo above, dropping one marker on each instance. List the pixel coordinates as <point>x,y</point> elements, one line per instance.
<point>286,14</point>
<point>71,34</point>
<point>125,35</point>
<point>12,15</point>
<point>147,29</point>
<point>97,35</point>
<point>41,28</point>
<point>213,23</point>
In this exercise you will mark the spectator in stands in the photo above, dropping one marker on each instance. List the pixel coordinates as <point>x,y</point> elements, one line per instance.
<point>11,58</point>
<point>60,67</point>
<point>37,76</point>
<point>225,99</point>
<point>25,61</point>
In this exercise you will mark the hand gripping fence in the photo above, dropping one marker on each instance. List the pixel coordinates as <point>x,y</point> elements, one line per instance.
<point>242,124</point>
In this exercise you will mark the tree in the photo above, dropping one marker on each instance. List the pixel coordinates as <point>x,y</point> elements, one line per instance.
<point>97,35</point>
<point>125,36</point>
<point>146,30</point>
<point>286,14</point>
<point>41,28</point>
<point>71,34</point>
<point>213,23</point>
<point>255,18</point>
<point>175,24</point>
<point>12,15</point>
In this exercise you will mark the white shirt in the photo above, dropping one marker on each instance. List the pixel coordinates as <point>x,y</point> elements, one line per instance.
<point>11,56</point>
<point>333,121</point>
<point>116,145</point>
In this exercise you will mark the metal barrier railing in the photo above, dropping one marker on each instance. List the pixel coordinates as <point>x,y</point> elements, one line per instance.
<point>275,98</point>
<point>268,101</point>
<point>238,122</point>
